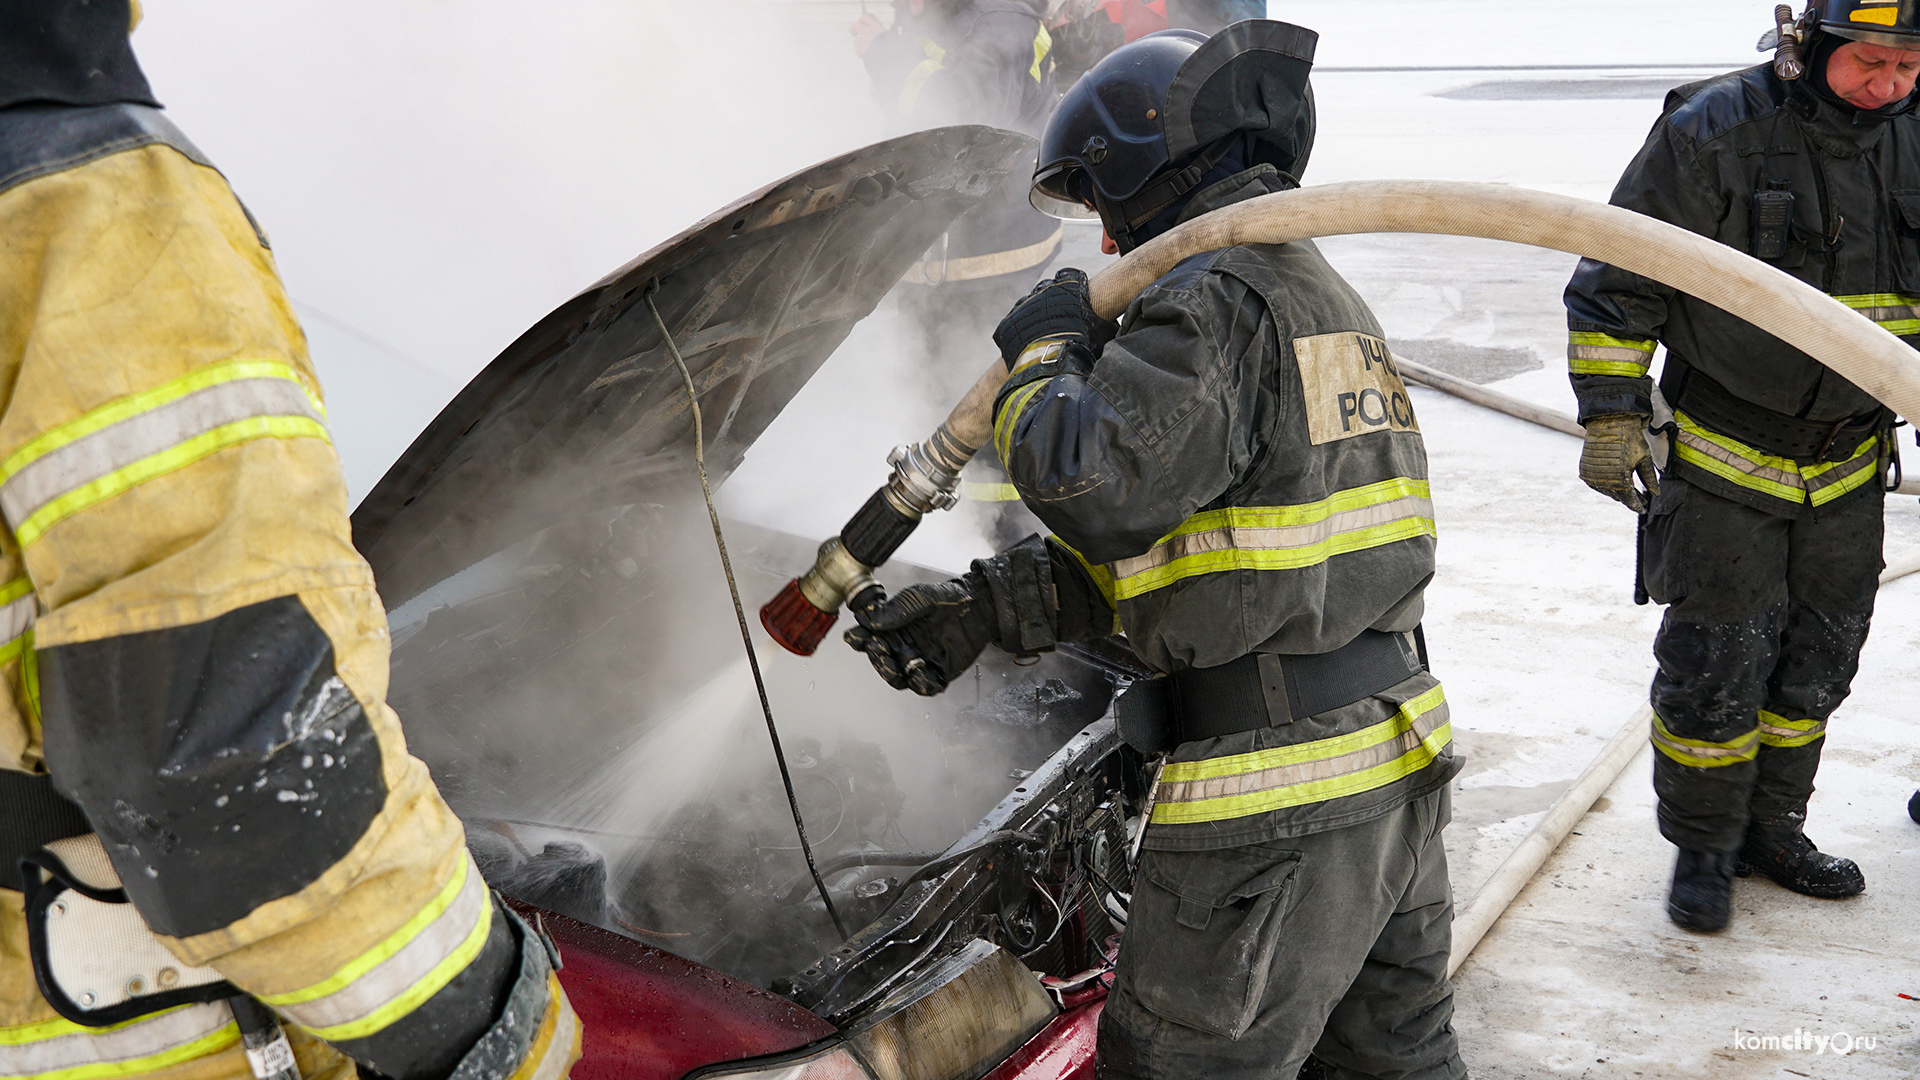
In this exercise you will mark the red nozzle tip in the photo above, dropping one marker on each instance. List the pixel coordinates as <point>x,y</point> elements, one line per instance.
<point>794,623</point>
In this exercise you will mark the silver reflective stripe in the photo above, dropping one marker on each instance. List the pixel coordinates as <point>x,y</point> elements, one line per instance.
<point>1306,772</point>
<point>105,1053</point>
<point>104,452</point>
<point>17,617</point>
<point>1843,471</point>
<point>1277,538</point>
<point>397,974</point>
<point>566,1029</point>
<point>1610,353</point>
<point>1722,454</point>
<point>1819,728</point>
<point>1741,748</point>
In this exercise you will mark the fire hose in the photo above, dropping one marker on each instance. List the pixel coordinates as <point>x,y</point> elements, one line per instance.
<point>927,474</point>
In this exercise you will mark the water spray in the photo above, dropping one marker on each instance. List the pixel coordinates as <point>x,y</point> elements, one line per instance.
<point>740,613</point>
<point>926,475</point>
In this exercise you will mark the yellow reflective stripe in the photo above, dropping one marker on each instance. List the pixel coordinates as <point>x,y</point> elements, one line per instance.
<point>30,679</point>
<point>1042,45</point>
<point>1238,785</point>
<point>978,492</point>
<point>408,967</point>
<point>1281,537</point>
<point>1737,462</point>
<point>1896,312</point>
<point>1600,354</point>
<point>1702,753</point>
<point>1777,730</point>
<point>556,1045</point>
<point>135,438</point>
<point>19,607</point>
<point>60,1049</point>
<point>917,78</point>
<point>1830,480</point>
<point>1102,579</point>
<point>173,460</point>
<point>1003,424</point>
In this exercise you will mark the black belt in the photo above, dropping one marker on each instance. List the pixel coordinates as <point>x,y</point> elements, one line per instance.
<point>1767,431</point>
<point>1264,690</point>
<point>32,815</point>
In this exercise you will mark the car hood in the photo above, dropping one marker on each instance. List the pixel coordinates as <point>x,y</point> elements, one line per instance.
<point>587,410</point>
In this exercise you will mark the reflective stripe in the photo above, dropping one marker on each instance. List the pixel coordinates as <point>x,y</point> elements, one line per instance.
<point>394,977</point>
<point>63,1050</point>
<point>1830,480</point>
<point>1735,461</point>
<point>136,438</point>
<point>1701,753</point>
<point>19,607</point>
<point>1777,730</point>
<point>1102,579</point>
<point>1009,416</point>
<point>1042,45</point>
<point>1281,537</point>
<point>1897,313</point>
<point>1599,354</point>
<point>557,1043</point>
<point>917,78</point>
<point>977,492</point>
<point>1241,784</point>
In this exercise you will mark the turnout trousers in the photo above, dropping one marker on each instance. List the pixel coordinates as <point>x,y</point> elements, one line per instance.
<point>1240,962</point>
<point>1765,618</point>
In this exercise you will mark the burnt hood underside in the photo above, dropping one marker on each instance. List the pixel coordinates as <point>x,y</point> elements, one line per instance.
<point>587,410</point>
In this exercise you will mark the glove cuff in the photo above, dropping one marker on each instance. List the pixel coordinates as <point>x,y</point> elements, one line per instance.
<point>1019,582</point>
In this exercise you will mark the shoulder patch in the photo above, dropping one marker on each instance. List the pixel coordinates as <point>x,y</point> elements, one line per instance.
<point>1351,387</point>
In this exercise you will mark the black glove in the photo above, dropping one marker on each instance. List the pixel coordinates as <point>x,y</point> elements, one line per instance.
<point>1061,308</point>
<point>927,636</point>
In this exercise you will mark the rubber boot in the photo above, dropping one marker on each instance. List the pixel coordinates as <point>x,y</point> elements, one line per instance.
<point>1702,894</point>
<point>1913,808</point>
<point>1780,851</point>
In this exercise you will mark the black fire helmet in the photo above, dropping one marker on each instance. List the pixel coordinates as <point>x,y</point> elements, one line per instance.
<point>1138,131</point>
<point>1894,23</point>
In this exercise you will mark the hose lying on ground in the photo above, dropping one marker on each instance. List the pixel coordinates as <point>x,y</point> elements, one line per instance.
<point>925,474</point>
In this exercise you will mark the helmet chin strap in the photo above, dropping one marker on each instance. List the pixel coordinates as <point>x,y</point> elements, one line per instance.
<point>1123,218</point>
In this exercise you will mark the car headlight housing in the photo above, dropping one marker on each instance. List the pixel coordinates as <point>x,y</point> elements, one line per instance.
<point>830,1060</point>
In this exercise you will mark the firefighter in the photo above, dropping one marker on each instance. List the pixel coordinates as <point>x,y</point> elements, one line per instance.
<point>197,656</point>
<point>1763,535</point>
<point>1236,479</point>
<point>969,62</point>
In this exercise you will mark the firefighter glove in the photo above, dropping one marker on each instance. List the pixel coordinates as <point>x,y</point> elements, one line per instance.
<point>925,637</point>
<point>1615,453</point>
<point>1060,309</point>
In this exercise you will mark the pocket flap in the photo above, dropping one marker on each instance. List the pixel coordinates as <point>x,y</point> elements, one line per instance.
<point>1908,203</point>
<point>1206,884</point>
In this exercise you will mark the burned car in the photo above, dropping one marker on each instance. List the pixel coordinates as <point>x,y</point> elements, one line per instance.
<point>566,658</point>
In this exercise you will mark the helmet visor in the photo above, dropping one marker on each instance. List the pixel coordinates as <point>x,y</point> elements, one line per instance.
<point>1063,190</point>
<point>1892,39</point>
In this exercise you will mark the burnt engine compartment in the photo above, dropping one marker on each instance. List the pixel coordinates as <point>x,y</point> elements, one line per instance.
<point>532,683</point>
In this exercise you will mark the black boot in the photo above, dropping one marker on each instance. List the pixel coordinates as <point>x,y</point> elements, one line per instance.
<point>1783,853</point>
<point>1913,808</point>
<point>1702,894</point>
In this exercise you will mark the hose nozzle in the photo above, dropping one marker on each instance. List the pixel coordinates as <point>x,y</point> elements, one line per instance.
<point>799,617</point>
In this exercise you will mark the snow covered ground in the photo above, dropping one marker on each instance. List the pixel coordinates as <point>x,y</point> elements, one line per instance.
<point>439,183</point>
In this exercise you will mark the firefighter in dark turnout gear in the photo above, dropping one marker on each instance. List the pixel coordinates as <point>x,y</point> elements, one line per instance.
<point>193,665</point>
<point>1236,479</point>
<point>1763,536</point>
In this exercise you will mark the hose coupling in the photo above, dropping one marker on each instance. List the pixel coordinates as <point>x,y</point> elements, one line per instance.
<point>835,578</point>
<point>925,478</point>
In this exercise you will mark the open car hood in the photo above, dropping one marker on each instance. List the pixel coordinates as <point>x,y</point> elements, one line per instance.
<point>587,410</point>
